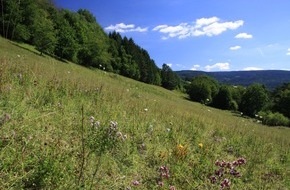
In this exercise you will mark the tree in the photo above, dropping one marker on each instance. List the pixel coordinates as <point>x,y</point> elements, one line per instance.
<point>87,15</point>
<point>11,16</point>
<point>169,79</point>
<point>2,18</point>
<point>44,34</point>
<point>237,93</point>
<point>254,99</point>
<point>67,45</point>
<point>223,99</point>
<point>281,97</point>
<point>202,89</point>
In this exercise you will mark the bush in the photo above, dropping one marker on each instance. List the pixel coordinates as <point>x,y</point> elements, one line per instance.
<point>274,119</point>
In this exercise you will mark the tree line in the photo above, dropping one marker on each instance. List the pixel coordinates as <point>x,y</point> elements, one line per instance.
<point>271,108</point>
<point>77,37</point>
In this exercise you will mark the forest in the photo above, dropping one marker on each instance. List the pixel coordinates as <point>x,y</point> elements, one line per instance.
<point>77,37</point>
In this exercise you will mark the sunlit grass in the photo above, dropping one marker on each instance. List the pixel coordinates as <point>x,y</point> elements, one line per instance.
<point>48,142</point>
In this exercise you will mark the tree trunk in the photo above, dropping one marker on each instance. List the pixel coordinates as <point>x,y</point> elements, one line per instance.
<point>16,21</point>
<point>3,19</point>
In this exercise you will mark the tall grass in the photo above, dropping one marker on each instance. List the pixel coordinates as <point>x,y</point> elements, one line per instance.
<point>67,127</point>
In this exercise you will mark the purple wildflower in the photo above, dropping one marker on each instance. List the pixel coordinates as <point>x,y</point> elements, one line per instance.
<point>225,183</point>
<point>213,179</point>
<point>136,183</point>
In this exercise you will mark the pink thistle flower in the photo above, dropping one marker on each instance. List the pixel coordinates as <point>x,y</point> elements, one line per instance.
<point>225,183</point>
<point>171,187</point>
<point>213,179</point>
<point>160,183</point>
<point>241,161</point>
<point>136,183</point>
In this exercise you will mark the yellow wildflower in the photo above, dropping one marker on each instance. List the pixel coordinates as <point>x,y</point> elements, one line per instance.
<point>181,151</point>
<point>200,145</point>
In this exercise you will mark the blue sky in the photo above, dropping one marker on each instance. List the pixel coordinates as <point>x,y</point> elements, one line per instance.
<point>208,35</point>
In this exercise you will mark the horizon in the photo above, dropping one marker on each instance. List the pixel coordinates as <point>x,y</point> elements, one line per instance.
<point>205,36</point>
<point>234,70</point>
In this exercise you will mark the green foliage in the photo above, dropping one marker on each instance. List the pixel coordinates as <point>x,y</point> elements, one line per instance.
<point>237,93</point>
<point>44,36</point>
<point>128,59</point>
<point>87,15</point>
<point>67,46</point>
<point>282,99</point>
<point>170,80</point>
<point>202,89</point>
<point>223,99</point>
<point>254,99</point>
<point>274,119</point>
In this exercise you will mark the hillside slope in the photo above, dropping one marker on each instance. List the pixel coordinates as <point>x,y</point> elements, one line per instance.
<point>270,78</point>
<point>63,126</point>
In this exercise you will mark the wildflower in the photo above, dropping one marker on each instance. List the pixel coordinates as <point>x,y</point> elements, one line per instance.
<point>92,119</point>
<point>97,124</point>
<point>225,183</point>
<point>229,165</point>
<point>168,130</point>
<point>217,163</point>
<point>146,109</point>
<point>219,172</point>
<point>164,172</point>
<point>241,161</point>
<point>160,183</point>
<point>235,173</point>
<point>119,134</point>
<point>181,151</point>
<point>136,183</point>
<point>213,179</point>
<point>235,163</point>
<point>180,146</point>
<point>113,126</point>
<point>200,145</point>
<point>171,187</point>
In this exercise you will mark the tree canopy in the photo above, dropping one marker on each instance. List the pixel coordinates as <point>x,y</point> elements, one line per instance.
<point>202,89</point>
<point>254,99</point>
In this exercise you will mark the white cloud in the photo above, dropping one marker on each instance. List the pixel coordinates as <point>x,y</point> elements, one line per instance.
<point>169,64</point>
<point>288,52</point>
<point>219,66</point>
<point>201,27</point>
<point>252,69</point>
<point>195,67</point>
<point>244,36</point>
<point>235,48</point>
<point>122,28</point>
<point>206,21</point>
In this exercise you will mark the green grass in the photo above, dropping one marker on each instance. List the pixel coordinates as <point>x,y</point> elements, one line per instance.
<point>47,141</point>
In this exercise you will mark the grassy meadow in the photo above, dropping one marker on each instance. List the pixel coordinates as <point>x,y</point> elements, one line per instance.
<point>63,126</point>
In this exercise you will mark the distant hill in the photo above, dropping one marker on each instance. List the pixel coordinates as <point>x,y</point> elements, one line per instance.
<point>270,78</point>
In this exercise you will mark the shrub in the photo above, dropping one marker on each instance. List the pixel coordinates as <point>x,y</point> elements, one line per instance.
<point>274,119</point>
